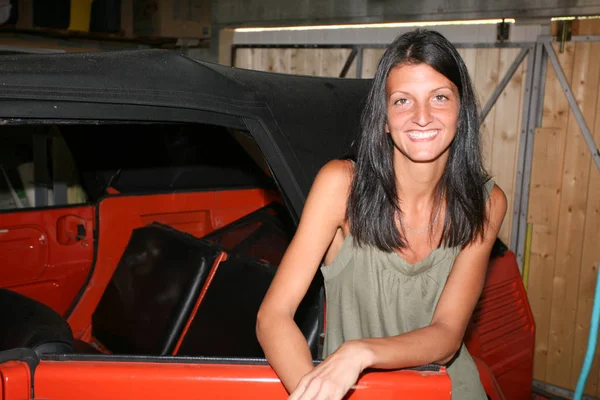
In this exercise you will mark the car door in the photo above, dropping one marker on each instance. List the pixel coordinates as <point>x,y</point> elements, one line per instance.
<point>47,253</point>
<point>132,378</point>
<point>46,221</point>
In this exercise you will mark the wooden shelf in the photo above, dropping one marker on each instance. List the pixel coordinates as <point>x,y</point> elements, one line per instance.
<point>102,37</point>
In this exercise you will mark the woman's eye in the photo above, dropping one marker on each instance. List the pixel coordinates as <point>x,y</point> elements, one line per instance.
<point>441,97</point>
<point>401,102</point>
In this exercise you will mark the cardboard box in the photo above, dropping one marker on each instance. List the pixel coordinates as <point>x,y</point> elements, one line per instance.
<point>172,18</point>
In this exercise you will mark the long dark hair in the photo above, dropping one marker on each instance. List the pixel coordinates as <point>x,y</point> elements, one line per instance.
<point>373,201</point>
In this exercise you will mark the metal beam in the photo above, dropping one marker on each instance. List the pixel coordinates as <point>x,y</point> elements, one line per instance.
<point>506,45</point>
<point>548,389</point>
<point>585,130</point>
<point>59,184</point>
<point>585,38</point>
<point>532,110</point>
<point>502,85</point>
<point>349,62</point>
<point>359,62</point>
<point>40,168</point>
<point>574,38</point>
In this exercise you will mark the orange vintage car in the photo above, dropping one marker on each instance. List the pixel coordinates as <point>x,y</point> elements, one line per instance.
<point>194,176</point>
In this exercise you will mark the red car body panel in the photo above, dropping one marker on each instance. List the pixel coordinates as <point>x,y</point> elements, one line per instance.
<point>146,380</point>
<point>15,383</point>
<point>41,255</point>
<point>501,332</point>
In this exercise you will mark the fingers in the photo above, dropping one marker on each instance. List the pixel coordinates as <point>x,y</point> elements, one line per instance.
<point>330,380</point>
<point>302,385</point>
<point>315,388</point>
<point>311,391</point>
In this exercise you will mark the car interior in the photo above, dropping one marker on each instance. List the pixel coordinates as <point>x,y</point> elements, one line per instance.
<point>173,293</point>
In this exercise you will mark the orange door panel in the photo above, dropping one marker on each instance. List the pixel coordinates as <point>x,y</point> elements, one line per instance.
<point>115,380</point>
<point>23,255</point>
<point>47,254</point>
<point>196,213</point>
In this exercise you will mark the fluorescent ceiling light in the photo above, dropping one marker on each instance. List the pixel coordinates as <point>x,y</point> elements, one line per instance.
<point>377,25</point>
<point>573,18</point>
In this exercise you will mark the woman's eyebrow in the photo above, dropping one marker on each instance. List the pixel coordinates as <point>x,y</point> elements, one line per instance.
<point>431,91</point>
<point>442,87</point>
<point>399,92</point>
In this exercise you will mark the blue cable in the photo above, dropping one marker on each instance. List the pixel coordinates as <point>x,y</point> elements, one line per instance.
<point>591,348</point>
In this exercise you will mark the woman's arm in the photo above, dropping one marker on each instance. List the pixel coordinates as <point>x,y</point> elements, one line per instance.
<point>436,343</point>
<point>324,212</point>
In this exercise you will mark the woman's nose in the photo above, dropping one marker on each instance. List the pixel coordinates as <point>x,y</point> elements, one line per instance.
<point>422,115</point>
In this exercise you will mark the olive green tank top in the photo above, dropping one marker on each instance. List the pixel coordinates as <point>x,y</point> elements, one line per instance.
<point>371,293</point>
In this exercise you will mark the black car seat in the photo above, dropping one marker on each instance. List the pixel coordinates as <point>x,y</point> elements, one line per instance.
<point>224,324</point>
<point>27,323</point>
<point>152,291</point>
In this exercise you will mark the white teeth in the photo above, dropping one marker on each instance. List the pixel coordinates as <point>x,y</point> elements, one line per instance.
<point>421,134</point>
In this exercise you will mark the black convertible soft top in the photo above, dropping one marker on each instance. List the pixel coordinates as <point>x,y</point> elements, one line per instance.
<point>299,122</point>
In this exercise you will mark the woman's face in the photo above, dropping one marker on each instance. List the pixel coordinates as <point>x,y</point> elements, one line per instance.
<point>422,111</point>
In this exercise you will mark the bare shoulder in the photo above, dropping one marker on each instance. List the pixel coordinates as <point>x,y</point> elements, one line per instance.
<point>496,206</point>
<point>331,189</point>
<point>336,173</point>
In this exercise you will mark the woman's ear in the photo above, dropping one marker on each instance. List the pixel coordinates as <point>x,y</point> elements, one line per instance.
<point>387,128</point>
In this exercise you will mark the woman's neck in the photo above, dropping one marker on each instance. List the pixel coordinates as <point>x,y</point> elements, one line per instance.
<point>416,182</point>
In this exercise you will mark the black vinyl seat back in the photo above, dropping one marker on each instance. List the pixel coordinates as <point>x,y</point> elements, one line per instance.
<point>152,291</point>
<point>224,324</point>
<point>263,234</point>
<point>28,323</point>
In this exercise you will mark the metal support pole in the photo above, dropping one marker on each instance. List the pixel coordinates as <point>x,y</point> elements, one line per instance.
<point>589,139</point>
<point>359,62</point>
<point>349,61</point>
<point>59,185</point>
<point>40,170</point>
<point>542,91</point>
<point>531,115</point>
<point>60,193</point>
<point>549,389</point>
<point>502,85</point>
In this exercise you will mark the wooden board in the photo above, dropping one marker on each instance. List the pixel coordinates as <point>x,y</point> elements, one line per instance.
<point>567,272</point>
<point>314,62</point>
<point>591,254</point>
<point>579,27</point>
<point>505,134</point>
<point>486,79</point>
<point>544,203</point>
<point>589,264</point>
<point>502,126</point>
<point>469,56</point>
<point>225,42</point>
<point>371,58</point>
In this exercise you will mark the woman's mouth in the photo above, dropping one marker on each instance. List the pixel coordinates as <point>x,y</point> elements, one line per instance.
<point>422,135</point>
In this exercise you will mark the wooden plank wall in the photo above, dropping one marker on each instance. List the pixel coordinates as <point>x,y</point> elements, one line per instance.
<point>316,62</point>
<point>564,210</point>
<point>487,67</point>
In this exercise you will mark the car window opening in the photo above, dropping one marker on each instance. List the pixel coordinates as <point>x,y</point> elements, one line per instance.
<point>193,274</point>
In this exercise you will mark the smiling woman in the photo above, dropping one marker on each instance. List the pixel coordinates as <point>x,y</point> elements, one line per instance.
<point>405,232</point>
<point>423,108</point>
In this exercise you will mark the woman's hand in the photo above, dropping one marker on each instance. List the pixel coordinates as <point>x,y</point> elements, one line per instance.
<point>336,375</point>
